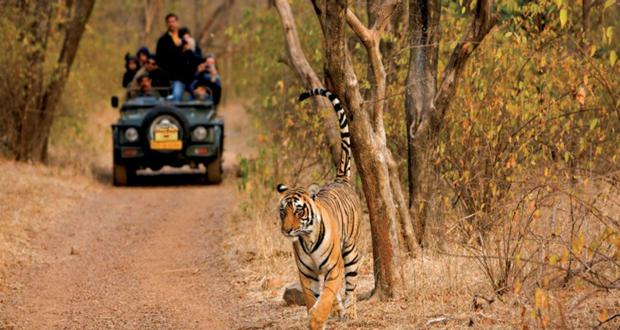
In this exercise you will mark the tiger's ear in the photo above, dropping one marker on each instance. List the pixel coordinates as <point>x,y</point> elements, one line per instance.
<point>281,188</point>
<point>313,190</point>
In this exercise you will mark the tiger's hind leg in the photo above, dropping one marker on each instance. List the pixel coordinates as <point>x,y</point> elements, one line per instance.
<point>351,262</point>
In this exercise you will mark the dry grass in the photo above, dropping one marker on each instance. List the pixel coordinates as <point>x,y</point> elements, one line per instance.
<point>32,197</point>
<point>446,287</point>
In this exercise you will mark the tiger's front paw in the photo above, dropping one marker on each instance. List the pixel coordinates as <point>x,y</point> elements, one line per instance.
<point>338,308</point>
<point>315,321</point>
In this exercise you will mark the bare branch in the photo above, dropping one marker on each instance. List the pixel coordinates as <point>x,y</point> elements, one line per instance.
<point>362,32</point>
<point>307,75</point>
<point>214,20</point>
<point>481,25</point>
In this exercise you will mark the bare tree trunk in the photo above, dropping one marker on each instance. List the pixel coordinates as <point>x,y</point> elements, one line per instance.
<point>368,134</point>
<point>404,217</point>
<point>425,103</point>
<point>38,120</point>
<point>308,76</point>
<point>379,74</point>
<point>424,18</point>
<point>29,122</point>
<point>152,12</point>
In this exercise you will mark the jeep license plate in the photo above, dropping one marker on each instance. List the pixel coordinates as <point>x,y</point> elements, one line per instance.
<point>166,134</point>
<point>166,138</point>
<point>167,145</point>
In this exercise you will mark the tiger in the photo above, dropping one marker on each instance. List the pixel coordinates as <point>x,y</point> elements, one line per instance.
<point>323,224</point>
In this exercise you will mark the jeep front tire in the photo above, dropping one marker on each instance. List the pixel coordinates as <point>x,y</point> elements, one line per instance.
<point>214,170</point>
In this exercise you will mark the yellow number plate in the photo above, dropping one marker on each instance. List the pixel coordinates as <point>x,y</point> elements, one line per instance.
<point>167,145</point>
<point>166,134</point>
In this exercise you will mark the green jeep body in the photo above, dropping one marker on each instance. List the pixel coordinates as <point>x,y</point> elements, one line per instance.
<point>156,120</point>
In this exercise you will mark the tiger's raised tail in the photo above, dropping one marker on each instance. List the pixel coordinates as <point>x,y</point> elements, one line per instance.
<point>344,168</point>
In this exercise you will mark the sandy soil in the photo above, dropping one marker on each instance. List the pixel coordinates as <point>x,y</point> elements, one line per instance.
<point>133,258</point>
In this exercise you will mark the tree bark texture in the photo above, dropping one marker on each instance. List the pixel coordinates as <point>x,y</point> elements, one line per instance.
<point>426,102</point>
<point>308,76</point>
<point>368,134</point>
<point>29,116</point>
<point>37,117</point>
<point>424,17</point>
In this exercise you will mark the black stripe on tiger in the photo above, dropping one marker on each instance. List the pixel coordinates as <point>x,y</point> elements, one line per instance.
<point>320,239</point>
<point>344,168</point>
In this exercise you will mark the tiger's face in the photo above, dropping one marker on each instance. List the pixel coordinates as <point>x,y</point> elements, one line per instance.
<point>296,211</point>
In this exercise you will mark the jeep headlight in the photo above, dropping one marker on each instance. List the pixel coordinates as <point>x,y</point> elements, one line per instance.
<point>199,133</point>
<point>131,134</point>
<point>210,135</point>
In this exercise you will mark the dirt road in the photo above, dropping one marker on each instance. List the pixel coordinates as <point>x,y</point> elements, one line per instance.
<point>137,258</point>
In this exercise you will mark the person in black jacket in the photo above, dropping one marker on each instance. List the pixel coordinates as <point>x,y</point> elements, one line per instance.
<point>170,55</point>
<point>191,57</point>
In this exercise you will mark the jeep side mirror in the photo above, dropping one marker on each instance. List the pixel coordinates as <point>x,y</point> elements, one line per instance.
<point>114,102</point>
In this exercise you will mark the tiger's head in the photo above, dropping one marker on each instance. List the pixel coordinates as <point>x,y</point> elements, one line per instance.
<point>297,210</point>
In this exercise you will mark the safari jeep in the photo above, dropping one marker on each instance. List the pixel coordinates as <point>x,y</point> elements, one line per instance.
<point>154,132</point>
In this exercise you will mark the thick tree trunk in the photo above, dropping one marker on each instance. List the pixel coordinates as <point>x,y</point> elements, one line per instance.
<point>29,146</point>
<point>424,17</point>
<point>38,118</point>
<point>368,141</point>
<point>308,76</point>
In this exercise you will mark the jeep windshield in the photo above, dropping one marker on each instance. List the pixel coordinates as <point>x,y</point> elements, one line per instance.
<point>144,103</point>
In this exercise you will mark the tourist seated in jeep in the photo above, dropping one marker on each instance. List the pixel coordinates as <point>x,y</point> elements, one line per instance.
<point>143,55</point>
<point>146,87</point>
<point>159,79</point>
<point>207,79</point>
<point>131,69</point>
